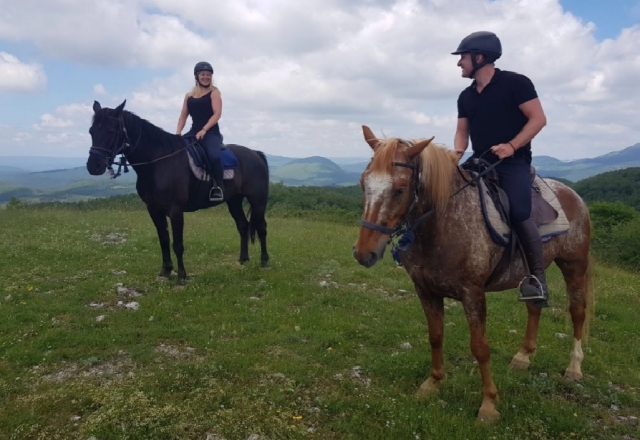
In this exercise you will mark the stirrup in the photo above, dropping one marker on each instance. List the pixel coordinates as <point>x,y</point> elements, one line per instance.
<point>216,194</point>
<point>531,292</point>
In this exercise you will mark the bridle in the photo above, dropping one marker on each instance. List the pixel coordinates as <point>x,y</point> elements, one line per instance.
<point>405,229</point>
<point>109,155</point>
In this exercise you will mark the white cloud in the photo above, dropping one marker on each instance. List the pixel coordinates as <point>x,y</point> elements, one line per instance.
<point>99,89</point>
<point>16,76</point>
<point>299,78</point>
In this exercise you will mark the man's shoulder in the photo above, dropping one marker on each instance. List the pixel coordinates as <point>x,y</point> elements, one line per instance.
<point>467,90</point>
<point>508,75</point>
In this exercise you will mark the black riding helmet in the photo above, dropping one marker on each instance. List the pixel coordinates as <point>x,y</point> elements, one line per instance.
<point>482,42</point>
<point>202,65</point>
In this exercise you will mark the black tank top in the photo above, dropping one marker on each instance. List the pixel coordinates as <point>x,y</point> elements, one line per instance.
<point>201,111</point>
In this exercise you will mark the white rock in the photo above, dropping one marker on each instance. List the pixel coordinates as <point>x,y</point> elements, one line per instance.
<point>75,418</point>
<point>406,346</point>
<point>560,335</point>
<point>100,318</point>
<point>150,318</point>
<point>132,305</point>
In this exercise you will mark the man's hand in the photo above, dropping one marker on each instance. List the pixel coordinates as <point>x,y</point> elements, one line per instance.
<point>503,150</point>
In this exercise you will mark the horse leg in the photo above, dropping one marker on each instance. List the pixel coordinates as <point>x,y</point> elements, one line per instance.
<point>160,221</point>
<point>177,228</point>
<point>475,308</point>
<point>434,311</point>
<point>577,278</point>
<point>521,360</point>
<point>258,223</point>
<point>242,224</point>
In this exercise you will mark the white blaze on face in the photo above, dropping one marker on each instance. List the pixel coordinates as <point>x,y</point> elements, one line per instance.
<point>376,189</point>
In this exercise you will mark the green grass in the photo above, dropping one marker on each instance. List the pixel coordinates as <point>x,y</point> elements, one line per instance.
<point>244,350</point>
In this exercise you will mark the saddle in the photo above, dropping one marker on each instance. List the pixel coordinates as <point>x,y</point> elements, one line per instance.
<point>200,163</point>
<point>546,210</point>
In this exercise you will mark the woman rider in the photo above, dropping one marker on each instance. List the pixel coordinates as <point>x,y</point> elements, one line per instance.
<point>204,104</point>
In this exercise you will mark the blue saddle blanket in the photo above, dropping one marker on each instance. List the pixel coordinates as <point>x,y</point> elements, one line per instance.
<point>229,160</point>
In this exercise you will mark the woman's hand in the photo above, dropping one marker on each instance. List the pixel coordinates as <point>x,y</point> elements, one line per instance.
<point>200,134</point>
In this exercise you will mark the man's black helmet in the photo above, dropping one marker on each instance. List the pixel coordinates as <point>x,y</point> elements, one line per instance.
<point>483,42</point>
<point>202,65</point>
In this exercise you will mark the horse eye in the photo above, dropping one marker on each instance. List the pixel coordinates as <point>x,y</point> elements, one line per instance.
<point>398,192</point>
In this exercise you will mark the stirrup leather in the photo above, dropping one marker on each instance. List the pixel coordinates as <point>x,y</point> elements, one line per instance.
<point>529,291</point>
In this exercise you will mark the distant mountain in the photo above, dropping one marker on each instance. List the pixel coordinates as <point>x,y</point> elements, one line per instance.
<point>579,169</point>
<point>46,178</point>
<point>313,171</point>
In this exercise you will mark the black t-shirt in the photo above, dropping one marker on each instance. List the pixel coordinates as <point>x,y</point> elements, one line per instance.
<point>494,114</point>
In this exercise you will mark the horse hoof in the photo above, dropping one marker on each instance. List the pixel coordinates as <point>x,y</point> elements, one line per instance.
<point>517,364</point>
<point>488,417</point>
<point>572,375</point>
<point>520,361</point>
<point>428,388</point>
<point>264,264</point>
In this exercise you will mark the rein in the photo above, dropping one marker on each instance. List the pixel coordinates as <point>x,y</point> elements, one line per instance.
<point>405,229</point>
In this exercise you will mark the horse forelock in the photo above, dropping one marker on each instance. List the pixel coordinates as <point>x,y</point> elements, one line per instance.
<point>384,155</point>
<point>438,168</point>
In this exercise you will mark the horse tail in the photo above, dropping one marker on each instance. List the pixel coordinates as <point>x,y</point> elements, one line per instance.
<point>590,299</point>
<point>264,159</point>
<point>252,227</point>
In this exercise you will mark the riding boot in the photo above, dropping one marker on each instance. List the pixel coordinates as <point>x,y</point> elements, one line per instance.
<point>216,194</point>
<point>533,287</point>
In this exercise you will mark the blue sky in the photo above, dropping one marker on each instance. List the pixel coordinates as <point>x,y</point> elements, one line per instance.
<point>300,79</point>
<point>609,17</point>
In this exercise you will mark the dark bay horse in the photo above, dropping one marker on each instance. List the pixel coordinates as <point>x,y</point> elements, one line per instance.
<point>167,185</point>
<point>453,254</point>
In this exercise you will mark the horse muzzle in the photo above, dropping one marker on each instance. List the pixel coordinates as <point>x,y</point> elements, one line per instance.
<point>367,253</point>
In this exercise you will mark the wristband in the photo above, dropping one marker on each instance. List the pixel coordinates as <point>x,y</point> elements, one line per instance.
<point>514,148</point>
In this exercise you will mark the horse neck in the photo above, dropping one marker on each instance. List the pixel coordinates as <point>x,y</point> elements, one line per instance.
<point>147,142</point>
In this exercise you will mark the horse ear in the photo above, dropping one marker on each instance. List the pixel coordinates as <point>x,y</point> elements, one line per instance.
<point>369,137</point>
<point>417,148</point>
<point>96,107</point>
<point>119,108</point>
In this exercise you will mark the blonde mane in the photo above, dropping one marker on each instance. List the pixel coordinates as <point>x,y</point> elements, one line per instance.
<point>438,166</point>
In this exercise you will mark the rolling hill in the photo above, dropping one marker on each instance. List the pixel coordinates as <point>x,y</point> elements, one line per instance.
<point>43,179</point>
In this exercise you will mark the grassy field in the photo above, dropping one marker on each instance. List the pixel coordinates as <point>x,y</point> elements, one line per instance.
<point>92,345</point>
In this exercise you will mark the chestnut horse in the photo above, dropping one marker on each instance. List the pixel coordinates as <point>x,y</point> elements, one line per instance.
<point>453,254</point>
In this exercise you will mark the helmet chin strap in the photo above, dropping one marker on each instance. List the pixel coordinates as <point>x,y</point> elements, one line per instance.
<point>475,65</point>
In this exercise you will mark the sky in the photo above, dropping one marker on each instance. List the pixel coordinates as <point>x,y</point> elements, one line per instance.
<point>300,78</point>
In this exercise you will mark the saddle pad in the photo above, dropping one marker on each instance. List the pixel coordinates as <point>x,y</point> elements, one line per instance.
<point>229,160</point>
<point>500,231</point>
<point>201,174</point>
